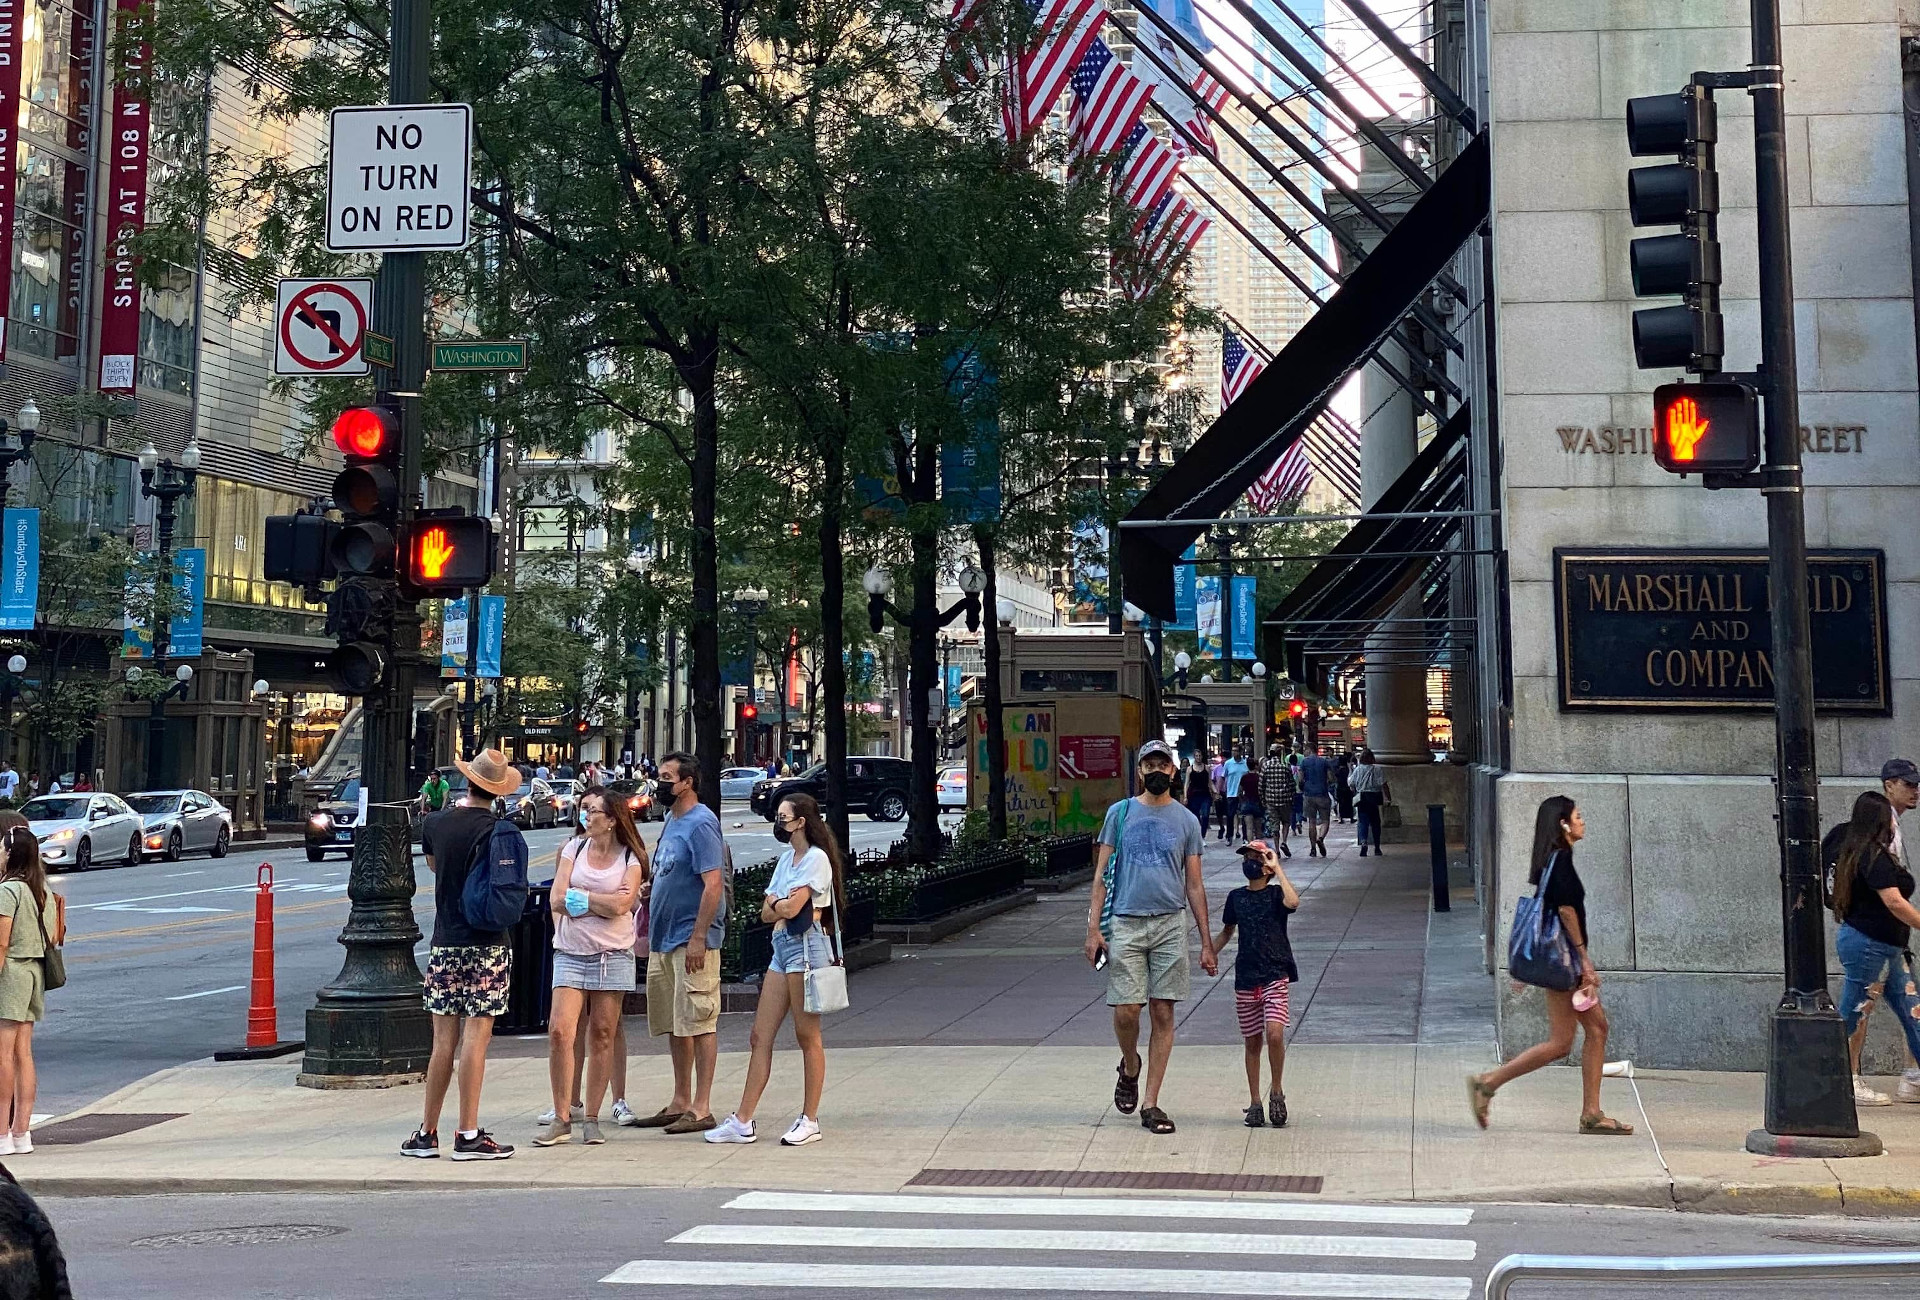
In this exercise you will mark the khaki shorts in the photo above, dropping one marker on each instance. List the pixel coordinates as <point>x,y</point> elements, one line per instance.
<point>680,1004</point>
<point>1147,959</point>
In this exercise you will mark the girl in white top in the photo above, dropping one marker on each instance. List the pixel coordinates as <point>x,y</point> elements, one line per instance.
<point>806,883</point>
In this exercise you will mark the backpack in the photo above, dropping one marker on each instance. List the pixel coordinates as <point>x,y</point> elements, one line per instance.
<point>495,894</point>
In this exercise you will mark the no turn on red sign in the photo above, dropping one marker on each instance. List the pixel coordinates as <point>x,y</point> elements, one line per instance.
<point>319,325</point>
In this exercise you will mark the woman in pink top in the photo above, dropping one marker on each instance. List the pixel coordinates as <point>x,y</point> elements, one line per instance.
<point>594,897</point>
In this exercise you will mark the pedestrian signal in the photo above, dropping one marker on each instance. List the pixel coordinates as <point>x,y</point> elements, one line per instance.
<point>1706,428</point>
<point>448,554</point>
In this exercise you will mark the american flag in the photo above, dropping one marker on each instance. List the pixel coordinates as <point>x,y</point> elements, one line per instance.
<point>1107,101</point>
<point>1293,471</point>
<point>1238,366</point>
<point>1205,85</point>
<point>1039,76</point>
<point>1173,228</point>
<point>1173,75</point>
<point>1147,170</point>
<point>965,63</point>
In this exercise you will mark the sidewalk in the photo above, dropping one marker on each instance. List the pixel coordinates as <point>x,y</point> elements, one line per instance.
<point>987,1059</point>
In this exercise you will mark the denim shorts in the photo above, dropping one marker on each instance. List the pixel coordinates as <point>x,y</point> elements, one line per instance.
<point>790,954</point>
<point>601,972</point>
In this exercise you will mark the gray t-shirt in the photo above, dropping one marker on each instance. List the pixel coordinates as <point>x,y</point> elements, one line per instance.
<point>1151,879</point>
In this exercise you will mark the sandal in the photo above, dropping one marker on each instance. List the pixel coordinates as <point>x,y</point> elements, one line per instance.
<point>1604,1125</point>
<point>1126,1093</point>
<point>1154,1120</point>
<point>1256,1117</point>
<point>1480,1097</point>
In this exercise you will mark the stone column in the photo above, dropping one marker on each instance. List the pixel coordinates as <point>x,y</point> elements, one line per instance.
<point>1396,695</point>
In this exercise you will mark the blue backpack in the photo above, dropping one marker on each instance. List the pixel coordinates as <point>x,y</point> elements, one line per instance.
<point>496,890</point>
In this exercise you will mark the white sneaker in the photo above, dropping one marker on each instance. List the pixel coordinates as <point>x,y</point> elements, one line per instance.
<point>1865,1096</point>
<point>6,1144</point>
<point>1909,1089</point>
<point>574,1113</point>
<point>23,1144</point>
<point>804,1130</point>
<point>731,1129</point>
<point>623,1114</point>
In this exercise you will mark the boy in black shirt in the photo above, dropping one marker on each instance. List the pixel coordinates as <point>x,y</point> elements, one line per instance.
<point>1263,970</point>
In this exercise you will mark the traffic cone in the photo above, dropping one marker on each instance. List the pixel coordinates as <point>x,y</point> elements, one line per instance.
<point>263,1017</point>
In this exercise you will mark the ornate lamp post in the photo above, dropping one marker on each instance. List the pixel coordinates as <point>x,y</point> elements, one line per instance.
<point>166,484</point>
<point>16,443</point>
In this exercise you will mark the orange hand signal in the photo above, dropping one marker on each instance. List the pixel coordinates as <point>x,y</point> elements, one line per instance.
<point>435,551</point>
<point>1685,428</point>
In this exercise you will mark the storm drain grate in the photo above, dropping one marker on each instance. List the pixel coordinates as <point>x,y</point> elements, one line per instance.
<point>92,1128</point>
<point>1118,1179</point>
<point>253,1234</point>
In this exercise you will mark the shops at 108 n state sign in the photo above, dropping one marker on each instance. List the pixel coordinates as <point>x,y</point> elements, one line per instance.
<point>1691,629</point>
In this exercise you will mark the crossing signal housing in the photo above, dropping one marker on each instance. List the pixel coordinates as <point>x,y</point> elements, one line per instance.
<point>448,554</point>
<point>1684,194</point>
<point>1706,428</point>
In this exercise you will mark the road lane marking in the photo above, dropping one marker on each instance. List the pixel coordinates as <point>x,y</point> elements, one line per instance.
<point>1148,1281</point>
<point>175,875</point>
<point>206,993</point>
<point>250,887</point>
<point>128,907</point>
<point>1096,1207</point>
<point>1177,1243</point>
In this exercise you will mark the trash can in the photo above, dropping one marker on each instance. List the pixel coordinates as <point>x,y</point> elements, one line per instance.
<point>530,990</point>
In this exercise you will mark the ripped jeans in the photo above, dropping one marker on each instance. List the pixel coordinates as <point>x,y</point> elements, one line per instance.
<point>1867,963</point>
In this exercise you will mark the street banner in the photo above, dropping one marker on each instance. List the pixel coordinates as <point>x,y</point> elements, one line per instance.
<point>81,36</point>
<point>953,687</point>
<point>185,636</point>
<point>12,30</point>
<point>970,466</point>
<point>20,583</point>
<point>491,636</point>
<point>1246,617</point>
<point>1183,592</point>
<point>127,135</point>
<point>1207,608</point>
<point>453,638</point>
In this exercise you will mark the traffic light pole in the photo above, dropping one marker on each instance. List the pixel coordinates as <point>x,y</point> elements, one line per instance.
<point>1809,1105</point>
<point>369,1027</point>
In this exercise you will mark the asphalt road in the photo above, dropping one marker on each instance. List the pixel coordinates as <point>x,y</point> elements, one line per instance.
<point>160,956</point>
<point>566,1243</point>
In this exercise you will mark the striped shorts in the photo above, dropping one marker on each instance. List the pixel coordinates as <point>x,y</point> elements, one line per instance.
<point>1259,1007</point>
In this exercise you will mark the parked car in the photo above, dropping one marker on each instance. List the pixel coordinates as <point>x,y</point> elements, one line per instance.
<point>176,822</point>
<point>952,788</point>
<point>638,792</point>
<point>876,785</point>
<point>330,826</point>
<point>81,829</point>
<point>738,782</point>
<point>531,806</point>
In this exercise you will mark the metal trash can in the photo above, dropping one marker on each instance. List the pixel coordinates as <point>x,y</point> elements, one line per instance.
<point>530,990</point>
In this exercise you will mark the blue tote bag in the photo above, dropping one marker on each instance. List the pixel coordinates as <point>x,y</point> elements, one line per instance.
<point>1538,952</point>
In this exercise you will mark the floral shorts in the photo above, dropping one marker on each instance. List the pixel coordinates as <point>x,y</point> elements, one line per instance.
<point>468,981</point>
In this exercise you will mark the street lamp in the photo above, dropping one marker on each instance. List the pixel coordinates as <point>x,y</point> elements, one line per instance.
<point>16,443</point>
<point>1006,610</point>
<point>161,481</point>
<point>9,688</point>
<point>1181,662</point>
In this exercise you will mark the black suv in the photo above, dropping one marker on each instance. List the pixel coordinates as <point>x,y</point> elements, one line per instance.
<point>875,785</point>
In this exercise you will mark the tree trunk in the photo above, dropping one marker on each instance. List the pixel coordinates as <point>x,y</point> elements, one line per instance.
<point>992,703</point>
<point>833,598</point>
<point>703,682</point>
<point>923,668</point>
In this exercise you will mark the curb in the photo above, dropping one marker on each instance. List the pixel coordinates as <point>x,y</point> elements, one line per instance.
<point>926,932</point>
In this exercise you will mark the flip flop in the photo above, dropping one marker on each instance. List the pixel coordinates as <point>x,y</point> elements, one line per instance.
<point>1126,1093</point>
<point>1604,1125</point>
<point>1154,1120</point>
<point>1480,1097</point>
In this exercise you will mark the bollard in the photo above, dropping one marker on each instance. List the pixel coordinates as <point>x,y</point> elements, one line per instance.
<point>263,1016</point>
<point>1437,836</point>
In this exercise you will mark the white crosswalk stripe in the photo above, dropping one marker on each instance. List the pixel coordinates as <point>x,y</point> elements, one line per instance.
<point>833,1256</point>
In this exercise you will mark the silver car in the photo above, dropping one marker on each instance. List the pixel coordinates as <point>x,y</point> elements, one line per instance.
<point>77,830</point>
<point>737,782</point>
<point>177,822</point>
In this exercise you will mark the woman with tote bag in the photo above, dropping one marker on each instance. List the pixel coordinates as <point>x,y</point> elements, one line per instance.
<point>806,978</point>
<point>33,925</point>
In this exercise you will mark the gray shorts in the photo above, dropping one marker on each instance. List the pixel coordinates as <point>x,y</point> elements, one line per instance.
<point>1147,959</point>
<point>600,972</point>
<point>1318,809</point>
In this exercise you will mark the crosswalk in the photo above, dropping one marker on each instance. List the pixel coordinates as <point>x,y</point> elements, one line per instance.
<point>843,1241</point>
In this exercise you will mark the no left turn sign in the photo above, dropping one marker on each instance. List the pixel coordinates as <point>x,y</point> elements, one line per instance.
<point>318,326</point>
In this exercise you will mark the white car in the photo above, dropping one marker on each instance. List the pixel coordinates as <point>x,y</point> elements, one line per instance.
<point>952,789</point>
<point>737,782</point>
<point>78,830</point>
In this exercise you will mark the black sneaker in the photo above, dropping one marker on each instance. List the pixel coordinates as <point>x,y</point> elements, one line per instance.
<point>1285,852</point>
<point>1276,1110</point>
<point>480,1146</point>
<point>424,1144</point>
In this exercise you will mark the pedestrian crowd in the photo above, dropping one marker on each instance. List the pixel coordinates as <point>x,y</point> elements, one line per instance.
<point>1288,792</point>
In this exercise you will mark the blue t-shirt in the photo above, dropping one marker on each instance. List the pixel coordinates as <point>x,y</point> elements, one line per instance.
<point>1315,775</point>
<point>1151,879</point>
<point>1236,772</point>
<point>690,846</point>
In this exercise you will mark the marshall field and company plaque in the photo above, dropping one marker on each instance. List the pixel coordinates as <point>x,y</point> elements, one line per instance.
<point>1689,629</point>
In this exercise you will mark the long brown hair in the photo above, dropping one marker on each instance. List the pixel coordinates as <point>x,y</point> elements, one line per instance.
<point>625,833</point>
<point>1549,833</point>
<point>820,836</point>
<point>1867,834</point>
<point>22,850</point>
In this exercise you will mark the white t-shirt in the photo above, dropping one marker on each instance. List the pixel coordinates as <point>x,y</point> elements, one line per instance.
<point>812,869</point>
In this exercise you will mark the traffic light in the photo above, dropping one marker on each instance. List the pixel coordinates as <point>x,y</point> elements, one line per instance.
<point>1706,428</point>
<point>1298,708</point>
<point>749,712</point>
<point>1684,194</point>
<point>299,549</point>
<point>448,554</point>
<point>363,550</point>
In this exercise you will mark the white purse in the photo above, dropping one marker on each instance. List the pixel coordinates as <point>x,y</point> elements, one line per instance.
<point>826,986</point>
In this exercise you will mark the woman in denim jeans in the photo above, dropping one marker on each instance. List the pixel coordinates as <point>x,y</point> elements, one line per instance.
<point>1868,891</point>
<point>807,881</point>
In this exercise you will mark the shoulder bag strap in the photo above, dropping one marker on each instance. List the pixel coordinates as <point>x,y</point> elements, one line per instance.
<point>39,916</point>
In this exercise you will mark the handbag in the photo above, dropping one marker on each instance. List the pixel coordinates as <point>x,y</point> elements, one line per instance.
<point>1538,952</point>
<point>53,962</point>
<point>826,986</point>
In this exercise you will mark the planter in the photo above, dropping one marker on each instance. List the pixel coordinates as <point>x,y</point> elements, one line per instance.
<point>953,885</point>
<point>1060,855</point>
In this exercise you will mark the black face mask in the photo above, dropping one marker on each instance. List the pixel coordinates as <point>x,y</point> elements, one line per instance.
<point>1157,782</point>
<point>782,834</point>
<point>1254,870</point>
<point>666,792</point>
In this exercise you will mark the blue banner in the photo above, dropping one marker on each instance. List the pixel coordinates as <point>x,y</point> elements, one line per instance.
<point>185,629</point>
<point>491,636</point>
<point>1246,617</point>
<point>970,468</point>
<point>1183,592</point>
<point>953,687</point>
<point>1207,616</point>
<point>20,584</point>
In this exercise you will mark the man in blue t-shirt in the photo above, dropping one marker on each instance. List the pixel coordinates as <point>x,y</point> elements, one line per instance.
<point>684,933</point>
<point>1316,797</point>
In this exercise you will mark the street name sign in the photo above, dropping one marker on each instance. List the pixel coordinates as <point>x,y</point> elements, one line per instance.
<point>479,354</point>
<point>319,326</point>
<point>398,178</point>
<point>378,349</point>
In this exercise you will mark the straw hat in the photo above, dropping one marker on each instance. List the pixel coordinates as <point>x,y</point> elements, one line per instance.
<point>491,772</point>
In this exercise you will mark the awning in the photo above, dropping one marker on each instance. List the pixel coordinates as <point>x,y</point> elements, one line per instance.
<point>1251,434</point>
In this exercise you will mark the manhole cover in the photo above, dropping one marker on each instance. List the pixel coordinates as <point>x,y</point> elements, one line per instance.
<point>1851,1240</point>
<point>258,1234</point>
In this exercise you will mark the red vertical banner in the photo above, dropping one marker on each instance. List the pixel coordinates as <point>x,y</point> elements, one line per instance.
<point>81,40</point>
<point>126,198</point>
<point>792,667</point>
<point>11,34</point>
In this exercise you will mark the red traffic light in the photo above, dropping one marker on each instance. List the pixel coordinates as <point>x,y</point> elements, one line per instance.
<point>1298,708</point>
<point>448,554</point>
<point>581,726</point>
<point>1706,428</point>
<point>368,432</point>
<point>749,711</point>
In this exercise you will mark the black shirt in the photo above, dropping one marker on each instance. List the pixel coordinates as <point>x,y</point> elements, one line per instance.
<point>1867,911</point>
<point>450,838</point>
<point>1265,955</point>
<point>1199,785</point>
<point>1565,890</point>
